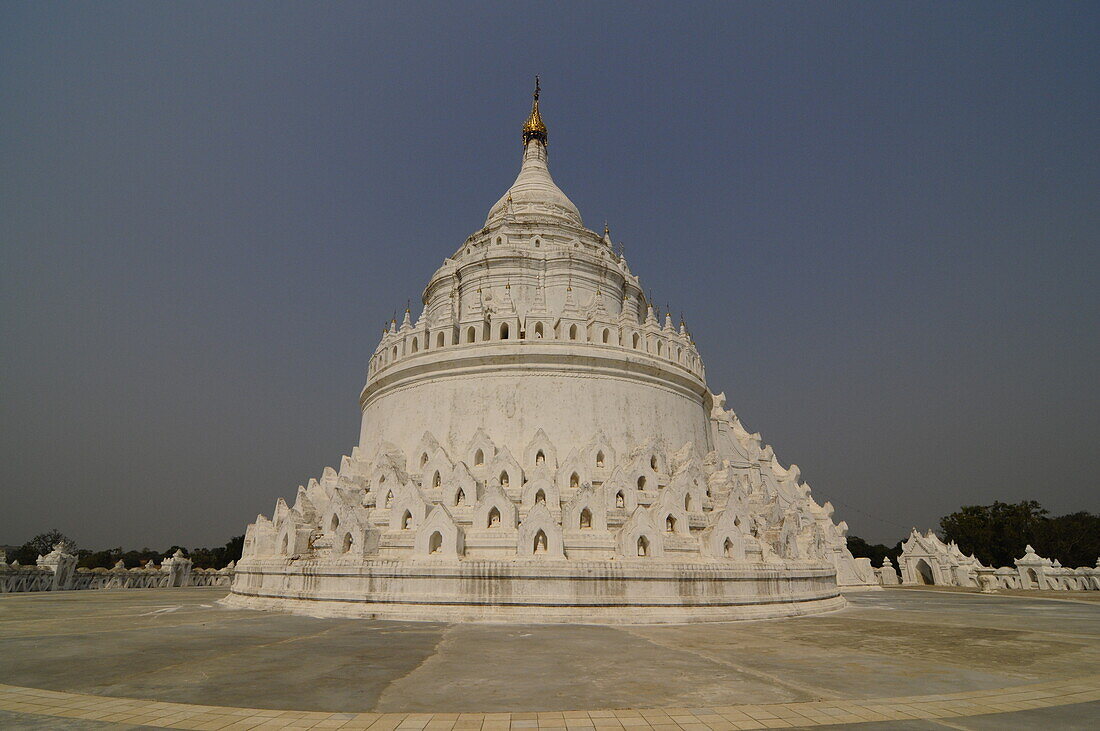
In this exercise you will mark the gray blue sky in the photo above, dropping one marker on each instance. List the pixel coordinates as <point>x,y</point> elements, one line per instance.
<point>880,220</point>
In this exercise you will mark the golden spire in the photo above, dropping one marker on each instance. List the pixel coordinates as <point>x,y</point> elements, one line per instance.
<point>533,128</point>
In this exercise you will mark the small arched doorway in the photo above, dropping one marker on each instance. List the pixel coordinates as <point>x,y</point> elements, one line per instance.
<point>924,573</point>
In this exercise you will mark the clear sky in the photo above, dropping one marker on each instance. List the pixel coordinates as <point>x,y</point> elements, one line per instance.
<point>880,220</point>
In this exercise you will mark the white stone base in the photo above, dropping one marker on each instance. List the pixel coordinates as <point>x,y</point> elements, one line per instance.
<point>536,591</point>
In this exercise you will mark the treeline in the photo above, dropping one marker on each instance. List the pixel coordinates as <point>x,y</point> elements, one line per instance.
<point>201,558</point>
<point>997,534</point>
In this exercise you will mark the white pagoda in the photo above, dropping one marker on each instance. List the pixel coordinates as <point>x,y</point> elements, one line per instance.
<point>541,445</point>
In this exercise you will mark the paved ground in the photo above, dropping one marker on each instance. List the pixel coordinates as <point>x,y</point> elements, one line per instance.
<point>1036,657</point>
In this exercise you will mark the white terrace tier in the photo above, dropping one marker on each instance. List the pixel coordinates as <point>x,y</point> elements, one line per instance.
<point>482,534</point>
<point>593,504</point>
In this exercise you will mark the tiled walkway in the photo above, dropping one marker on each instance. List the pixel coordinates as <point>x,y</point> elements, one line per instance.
<point>127,711</point>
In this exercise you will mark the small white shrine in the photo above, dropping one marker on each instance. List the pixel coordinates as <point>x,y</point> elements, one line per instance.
<point>927,560</point>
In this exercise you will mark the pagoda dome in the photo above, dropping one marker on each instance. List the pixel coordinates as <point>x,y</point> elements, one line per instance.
<point>537,447</point>
<point>534,197</point>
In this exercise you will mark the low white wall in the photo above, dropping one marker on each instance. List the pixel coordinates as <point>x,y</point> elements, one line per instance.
<point>58,572</point>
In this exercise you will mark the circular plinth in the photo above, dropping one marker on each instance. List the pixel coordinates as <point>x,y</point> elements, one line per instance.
<point>598,592</point>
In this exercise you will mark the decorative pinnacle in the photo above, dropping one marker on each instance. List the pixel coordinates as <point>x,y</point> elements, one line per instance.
<point>534,128</point>
<point>606,228</point>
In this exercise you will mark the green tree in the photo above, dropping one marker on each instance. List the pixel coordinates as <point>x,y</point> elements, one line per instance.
<point>874,551</point>
<point>234,548</point>
<point>201,558</point>
<point>99,559</point>
<point>1073,539</point>
<point>219,556</point>
<point>133,559</point>
<point>997,534</point>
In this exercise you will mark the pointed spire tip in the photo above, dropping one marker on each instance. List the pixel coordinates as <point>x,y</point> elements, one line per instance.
<point>534,128</point>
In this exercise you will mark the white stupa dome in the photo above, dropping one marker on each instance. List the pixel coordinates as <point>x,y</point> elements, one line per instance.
<point>539,446</point>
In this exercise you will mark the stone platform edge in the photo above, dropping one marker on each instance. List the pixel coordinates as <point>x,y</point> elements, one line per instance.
<point>616,614</point>
<point>157,714</point>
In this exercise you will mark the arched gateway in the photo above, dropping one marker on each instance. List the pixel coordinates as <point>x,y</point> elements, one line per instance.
<point>555,456</point>
<point>924,571</point>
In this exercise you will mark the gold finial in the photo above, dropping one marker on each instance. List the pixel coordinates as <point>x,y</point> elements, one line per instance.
<point>533,128</point>
<point>606,228</point>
